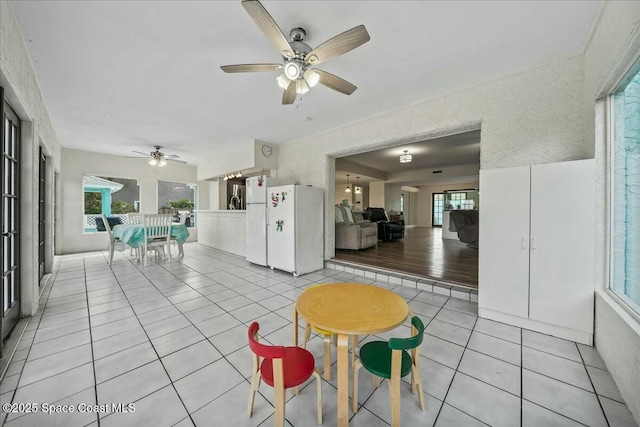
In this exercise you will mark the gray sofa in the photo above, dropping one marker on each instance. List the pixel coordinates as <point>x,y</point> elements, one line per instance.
<point>354,233</point>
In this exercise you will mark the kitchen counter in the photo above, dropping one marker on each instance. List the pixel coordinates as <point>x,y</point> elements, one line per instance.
<point>223,229</point>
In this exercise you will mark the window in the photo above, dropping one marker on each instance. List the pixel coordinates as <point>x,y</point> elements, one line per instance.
<point>437,205</point>
<point>116,198</point>
<point>624,169</point>
<point>178,199</point>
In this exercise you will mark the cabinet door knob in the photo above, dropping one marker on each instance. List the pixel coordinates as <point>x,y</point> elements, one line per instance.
<point>523,242</point>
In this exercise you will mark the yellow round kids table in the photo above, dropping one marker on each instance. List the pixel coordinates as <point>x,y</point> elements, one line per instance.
<point>349,309</point>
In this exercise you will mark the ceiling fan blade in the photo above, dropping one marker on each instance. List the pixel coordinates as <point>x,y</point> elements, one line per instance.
<point>334,82</point>
<point>289,94</point>
<point>268,26</point>
<point>175,161</point>
<point>171,156</point>
<point>339,45</point>
<point>250,68</point>
<point>140,152</point>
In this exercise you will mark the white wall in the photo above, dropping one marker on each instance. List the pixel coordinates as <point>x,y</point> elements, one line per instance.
<point>615,44</point>
<point>22,91</point>
<point>376,194</point>
<point>425,199</point>
<point>536,116</point>
<point>77,163</point>
<point>340,194</point>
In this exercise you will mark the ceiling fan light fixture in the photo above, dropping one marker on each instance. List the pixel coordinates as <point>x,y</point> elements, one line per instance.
<point>301,87</point>
<point>153,162</point>
<point>406,158</point>
<point>292,70</point>
<point>283,81</point>
<point>162,162</point>
<point>311,77</point>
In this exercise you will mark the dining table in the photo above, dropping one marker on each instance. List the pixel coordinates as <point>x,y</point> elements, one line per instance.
<point>350,309</point>
<point>133,234</point>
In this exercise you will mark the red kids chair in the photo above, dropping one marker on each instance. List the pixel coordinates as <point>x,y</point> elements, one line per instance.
<point>281,368</point>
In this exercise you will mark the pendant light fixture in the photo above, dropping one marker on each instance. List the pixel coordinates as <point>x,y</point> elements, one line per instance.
<point>348,189</point>
<point>406,158</point>
<point>357,190</point>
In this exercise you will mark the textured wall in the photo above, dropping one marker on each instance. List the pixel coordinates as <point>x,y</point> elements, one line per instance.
<point>77,163</point>
<point>618,344</point>
<point>530,118</point>
<point>224,230</point>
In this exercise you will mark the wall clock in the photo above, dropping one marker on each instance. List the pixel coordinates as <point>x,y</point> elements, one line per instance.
<point>266,150</point>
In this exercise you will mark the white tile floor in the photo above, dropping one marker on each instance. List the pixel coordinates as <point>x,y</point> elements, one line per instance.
<point>171,338</point>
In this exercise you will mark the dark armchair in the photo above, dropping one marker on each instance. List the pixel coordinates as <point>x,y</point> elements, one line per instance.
<point>387,230</point>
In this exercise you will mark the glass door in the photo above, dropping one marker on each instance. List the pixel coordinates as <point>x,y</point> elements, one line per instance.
<point>10,296</point>
<point>41,213</point>
<point>437,206</point>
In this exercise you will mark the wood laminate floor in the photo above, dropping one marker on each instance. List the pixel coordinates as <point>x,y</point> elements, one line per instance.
<point>423,252</point>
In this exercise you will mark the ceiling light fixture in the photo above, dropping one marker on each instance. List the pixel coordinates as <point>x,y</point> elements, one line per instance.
<point>292,70</point>
<point>157,160</point>
<point>301,87</point>
<point>348,189</point>
<point>406,158</point>
<point>283,81</point>
<point>229,176</point>
<point>299,75</point>
<point>357,189</point>
<point>311,77</point>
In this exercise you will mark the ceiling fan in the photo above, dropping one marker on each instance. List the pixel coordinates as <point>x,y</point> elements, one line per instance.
<point>158,158</point>
<point>298,76</point>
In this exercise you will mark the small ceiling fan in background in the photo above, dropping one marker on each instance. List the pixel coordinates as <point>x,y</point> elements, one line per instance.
<point>158,158</point>
<point>298,76</point>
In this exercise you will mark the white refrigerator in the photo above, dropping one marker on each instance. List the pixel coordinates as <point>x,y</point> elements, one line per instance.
<point>256,190</point>
<point>295,240</point>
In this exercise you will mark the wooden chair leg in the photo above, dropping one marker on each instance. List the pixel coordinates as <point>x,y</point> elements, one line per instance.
<point>376,381</point>
<point>394,387</point>
<point>356,369</point>
<point>316,374</point>
<point>415,374</point>
<point>278,391</point>
<point>327,357</point>
<point>307,335</point>
<point>255,384</point>
<point>354,345</point>
<point>394,394</point>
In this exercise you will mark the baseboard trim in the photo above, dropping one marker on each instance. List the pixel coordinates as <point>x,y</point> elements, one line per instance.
<point>12,343</point>
<point>575,335</point>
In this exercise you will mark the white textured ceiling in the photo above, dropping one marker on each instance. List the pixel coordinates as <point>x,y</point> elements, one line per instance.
<point>127,75</point>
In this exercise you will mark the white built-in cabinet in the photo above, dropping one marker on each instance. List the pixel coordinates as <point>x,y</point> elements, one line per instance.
<point>536,252</point>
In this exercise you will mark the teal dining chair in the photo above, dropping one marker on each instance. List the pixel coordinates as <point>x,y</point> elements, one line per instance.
<point>391,360</point>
